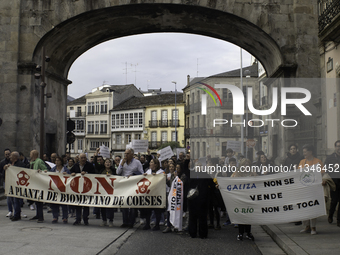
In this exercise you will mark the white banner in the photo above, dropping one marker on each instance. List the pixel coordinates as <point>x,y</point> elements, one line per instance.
<point>175,200</point>
<point>273,199</point>
<point>87,190</point>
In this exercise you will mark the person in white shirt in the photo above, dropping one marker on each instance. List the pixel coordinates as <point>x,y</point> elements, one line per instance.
<point>129,166</point>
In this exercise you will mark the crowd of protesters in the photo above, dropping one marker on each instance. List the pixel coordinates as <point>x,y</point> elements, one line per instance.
<point>207,206</point>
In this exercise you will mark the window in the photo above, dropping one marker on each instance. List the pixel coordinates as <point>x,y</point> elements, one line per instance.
<point>164,136</point>
<point>175,121</point>
<point>90,127</point>
<point>118,139</point>
<point>103,126</point>
<point>164,118</point>
<point>96,127</point>
<point>329,65</point>
<point>103,107</point>
<point>72,147</point>
<point>140,120</point>
<point>71,108</point>
<point>128,138</point>
<point>174,136</point>
<point>138,136</point>
<point>96,144</point>
<point>203,149</point>
<point>80,125</point>
<point>80,145</point>
<point>78,111</point>
<point>128,120</point>
<point>90,108</point>
<point>154,136</point>
<point>131,120</point>
<point>97,107</point>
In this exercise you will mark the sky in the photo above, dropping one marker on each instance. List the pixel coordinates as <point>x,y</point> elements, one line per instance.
<point>153,61</point>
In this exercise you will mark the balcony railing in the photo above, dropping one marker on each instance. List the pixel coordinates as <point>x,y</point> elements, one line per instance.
<point>153,123</point>
<point>156,144</point>
<point>163,123</point>
<point>174,123</point>
<point>328,10</point>
<point>77,114</point>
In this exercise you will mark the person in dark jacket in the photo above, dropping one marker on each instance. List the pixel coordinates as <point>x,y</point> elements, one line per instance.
<point>293,157</point>
<point>83,167</point>
<point>198,206</point>
<point>333,162</point>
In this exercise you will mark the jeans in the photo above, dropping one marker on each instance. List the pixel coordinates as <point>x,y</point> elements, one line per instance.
<point>128,216</point>
<point>55,211</point>
<point>107,213</point>
<point>86,212</point>
<point>16,202</point>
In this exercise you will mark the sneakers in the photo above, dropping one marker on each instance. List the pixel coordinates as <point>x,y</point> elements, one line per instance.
<point>250,236</point>
<point>76,223</point>
<point>227,223</point>
<point>9,214</point>
<point>124,225</point>
<point>65,221</point>
<point>313,232</point>
<point>142,221</point>
<point>167,230</point>
<point>235,225</point>
<point>239,237</point>
<point>34,218</point>
<point>218,227</point>
<point>16,218</point>
<point>40,221</point>
<point>161,223</point>
<point>306,230</point>
<point>32,207</point>
<point>54,221</point>
<point>111,224</point>
<point>103,224</point>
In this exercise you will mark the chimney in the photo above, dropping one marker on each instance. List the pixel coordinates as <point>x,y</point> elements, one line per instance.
<point>188,79</point>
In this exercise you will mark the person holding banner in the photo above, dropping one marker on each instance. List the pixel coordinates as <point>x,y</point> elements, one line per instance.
<point>107,212</point>
<point>37,164</point>
<point>155,168</point>
<point>14,161</point>
<point>310,163</point>
<point>129,166</point>
<point>83,167</point>
<point>238,173</point>
<point>59,168</point>
<point>170,178</point>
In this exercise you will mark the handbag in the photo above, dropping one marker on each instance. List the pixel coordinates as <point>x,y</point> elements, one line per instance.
<point>193,193</point>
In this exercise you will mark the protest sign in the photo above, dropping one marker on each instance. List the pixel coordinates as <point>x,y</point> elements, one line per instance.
<point>140,145</point>
<point>175,202</point>
<point>179,150</point>
<point>104,151</point>
<point>166,153</point>
<point>234,145</point>
<point>87,190</point>
<point>275,198</point>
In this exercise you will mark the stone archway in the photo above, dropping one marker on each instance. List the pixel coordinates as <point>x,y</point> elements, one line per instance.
<point>274,33</point>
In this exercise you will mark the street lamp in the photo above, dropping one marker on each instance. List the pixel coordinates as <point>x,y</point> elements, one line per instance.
<point>41,75</point>
<point>176,115</point>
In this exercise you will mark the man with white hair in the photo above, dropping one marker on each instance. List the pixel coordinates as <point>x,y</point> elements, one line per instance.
<point>14,158</point>
<point>129,166</point>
